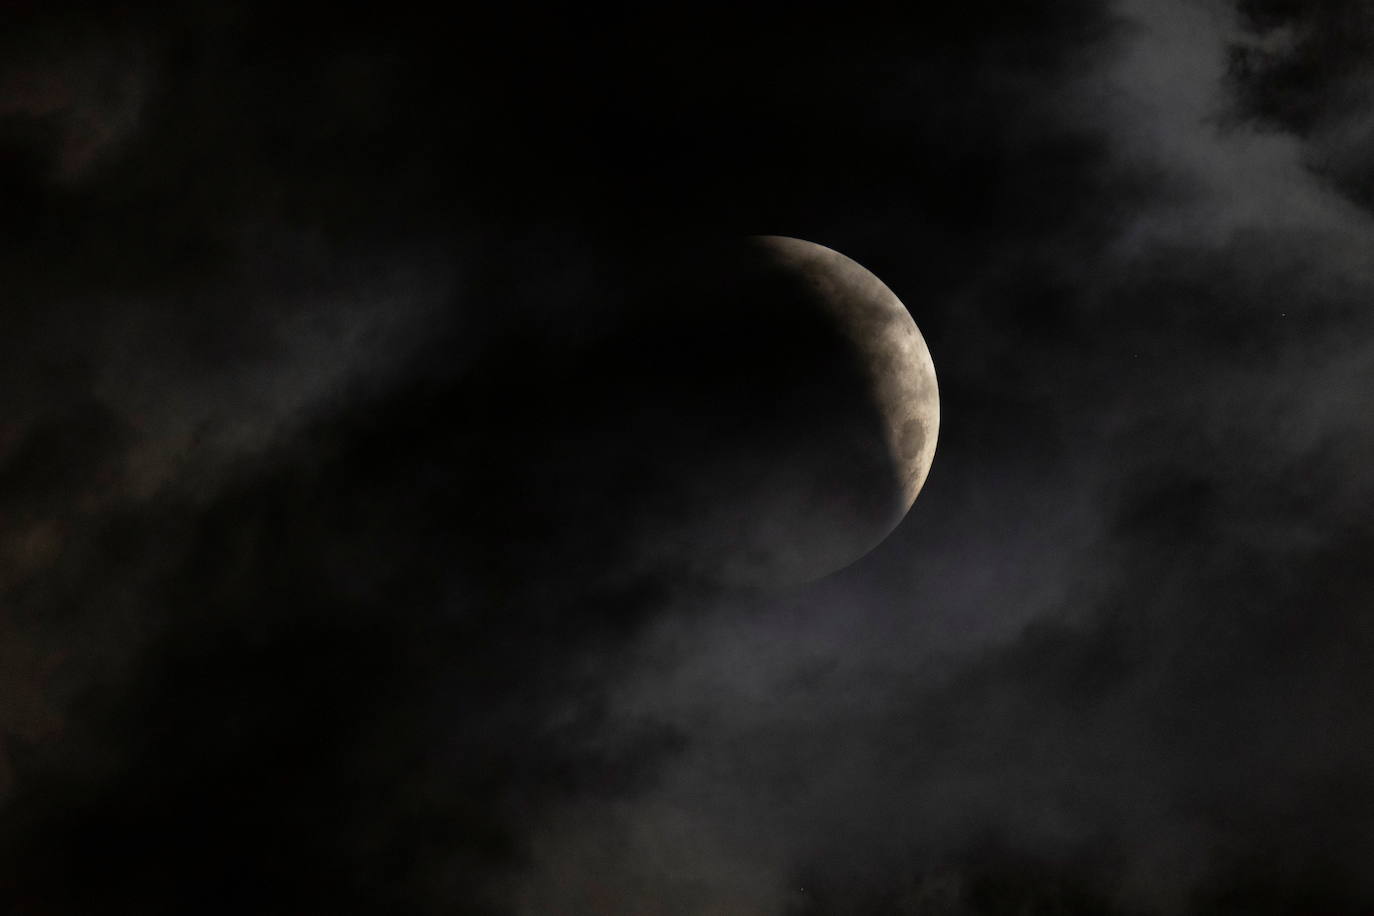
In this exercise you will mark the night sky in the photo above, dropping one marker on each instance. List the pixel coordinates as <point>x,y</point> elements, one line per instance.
<point>333,494</point>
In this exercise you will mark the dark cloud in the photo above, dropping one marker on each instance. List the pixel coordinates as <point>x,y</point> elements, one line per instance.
<point>1304,69</point>
<point>326,587</point>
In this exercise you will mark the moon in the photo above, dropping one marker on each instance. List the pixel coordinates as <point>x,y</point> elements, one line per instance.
<point>816,417</point>
<point>880,328</point>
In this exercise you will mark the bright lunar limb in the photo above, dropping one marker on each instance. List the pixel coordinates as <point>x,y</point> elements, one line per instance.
<point>891,350</point>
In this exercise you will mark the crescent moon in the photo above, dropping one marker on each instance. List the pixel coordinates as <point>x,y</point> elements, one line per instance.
<point>892,351</point>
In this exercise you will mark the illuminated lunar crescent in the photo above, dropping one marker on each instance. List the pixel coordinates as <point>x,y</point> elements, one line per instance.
<point>846,408</point>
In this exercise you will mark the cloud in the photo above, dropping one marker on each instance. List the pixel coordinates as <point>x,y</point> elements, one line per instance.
<point>298,619</point>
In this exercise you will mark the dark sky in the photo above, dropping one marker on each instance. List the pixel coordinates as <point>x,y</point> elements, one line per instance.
<point>318,595</point>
